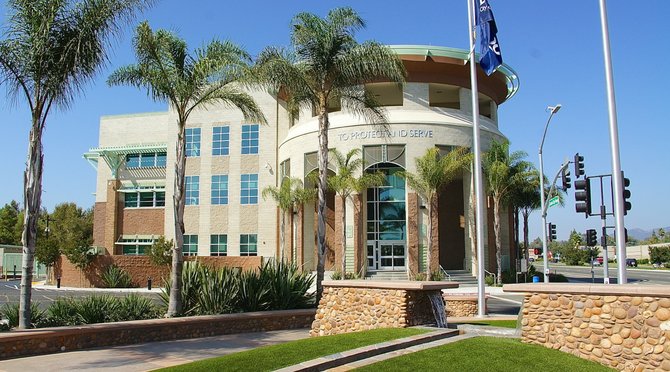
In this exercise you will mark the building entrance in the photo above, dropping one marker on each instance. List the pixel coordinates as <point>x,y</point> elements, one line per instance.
<point>386,221</point>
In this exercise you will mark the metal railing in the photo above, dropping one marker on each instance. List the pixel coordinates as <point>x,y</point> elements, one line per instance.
<point>445,273</point>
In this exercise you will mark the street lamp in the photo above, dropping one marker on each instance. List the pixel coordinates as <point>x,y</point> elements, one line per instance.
<point>552,110</point>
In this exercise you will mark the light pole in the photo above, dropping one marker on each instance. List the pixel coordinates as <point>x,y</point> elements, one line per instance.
<point>552,110</point>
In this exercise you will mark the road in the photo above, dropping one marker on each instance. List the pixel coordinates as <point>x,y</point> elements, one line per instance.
<point>582,274</point>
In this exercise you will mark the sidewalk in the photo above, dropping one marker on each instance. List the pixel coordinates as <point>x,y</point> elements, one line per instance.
<point>149,356</point>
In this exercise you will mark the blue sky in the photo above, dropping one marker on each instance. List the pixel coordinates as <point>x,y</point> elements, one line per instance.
<point>555,47</point>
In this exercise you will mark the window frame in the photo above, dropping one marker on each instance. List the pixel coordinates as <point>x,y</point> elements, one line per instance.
<point>190,240</point>
<point>192,139</point>
<point>215,247</point>
<point>245,242</point>
<point>219,195</point>
<point>191,192</point>
<point>221,147</point>
<point>250,145</point>
<point>248,194</point>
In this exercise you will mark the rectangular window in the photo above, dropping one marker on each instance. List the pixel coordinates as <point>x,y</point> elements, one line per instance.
<point>190,245</point>
<point>161,159</point>
<point>219,190</point>
<point>160,198</point>
<point>135,246</point>
<point>144,199</point>
<point>218,245</point>
<point>192,190</point>
<point>248,245</point>
<point>192,141</point>
<point>250,139</point>
<point>221,141</point>
<point>133,161</point>
<point>146,160</point>
<point>249,189</point>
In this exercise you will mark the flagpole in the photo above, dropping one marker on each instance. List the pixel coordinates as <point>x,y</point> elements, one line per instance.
<point>477,168</point>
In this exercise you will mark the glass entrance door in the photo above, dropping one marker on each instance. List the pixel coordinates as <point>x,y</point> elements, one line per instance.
<point>386,221</point>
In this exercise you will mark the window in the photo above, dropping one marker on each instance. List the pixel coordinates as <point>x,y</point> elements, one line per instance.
<point>250,139</point>
<point>386,94</point>
<point>192,190</point>
<point>221,142</point>
<point>219,190</point>
<point>135,246</point>
<point>249,189</point>
<point>192,141</point>
<point>443,95</point>
<point>248,245</point>
<point>190,245</point>
<point>139,198</point>
<point>218,245</point>
<point>146,160</point>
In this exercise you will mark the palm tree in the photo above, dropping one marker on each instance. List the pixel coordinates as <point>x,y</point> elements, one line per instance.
<point>288,195</point>
<point>327,64</point>
<point>345,183</point>
<point>504,172</point>
<point>187,82</point>
<point>50,51</point>
<point>433,172</point>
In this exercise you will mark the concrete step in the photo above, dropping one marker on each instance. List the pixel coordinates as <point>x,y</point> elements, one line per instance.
<point>367,352</point>
<point>386,275</point>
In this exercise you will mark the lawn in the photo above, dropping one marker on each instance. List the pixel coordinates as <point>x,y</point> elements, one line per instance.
<point>269,358</point>
<point>487,354</point>
<point>493,323</point>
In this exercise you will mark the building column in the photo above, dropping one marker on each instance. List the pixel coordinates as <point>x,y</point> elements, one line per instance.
<point>413,233</point>
<point>360,252</point>
<point>111,215</point>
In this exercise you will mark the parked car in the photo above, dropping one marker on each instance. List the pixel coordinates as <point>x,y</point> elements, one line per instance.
<point>631,262</point>
<point>597,262</point>
<point>600,260</point>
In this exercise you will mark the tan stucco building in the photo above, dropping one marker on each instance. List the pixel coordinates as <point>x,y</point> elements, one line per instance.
<point>231,161</point>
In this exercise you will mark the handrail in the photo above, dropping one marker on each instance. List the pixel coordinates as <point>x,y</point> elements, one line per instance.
<point>446,274</point>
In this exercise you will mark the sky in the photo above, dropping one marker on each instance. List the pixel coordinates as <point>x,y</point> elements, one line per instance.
<point>555,47</point>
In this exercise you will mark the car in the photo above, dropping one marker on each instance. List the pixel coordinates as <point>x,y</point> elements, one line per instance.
<point>631,262</point>
<point>596,262</point>
<point>600,260</point>
<point>531,260</point>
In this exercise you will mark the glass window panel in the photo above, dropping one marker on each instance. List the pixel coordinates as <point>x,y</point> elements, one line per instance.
<point>248,245</point>
<point>192,190</point>
<point>398,262</point>
<point>219,189</point>
<point>218,245</point>
<point>190,245</point>
<point>250,138</point>
<point>386,250</point>
<point>160,198</point>
<point>249,189</point>
<point>148,160</point>
<point>192,141</point>
<point>146,199</point>
<point>130,199</point>
<point>161,159</point>
<point>386,262</point>
<point>221,141</point>
<point>133,161</point>
<point>391,211</point>
<point>398,250</point>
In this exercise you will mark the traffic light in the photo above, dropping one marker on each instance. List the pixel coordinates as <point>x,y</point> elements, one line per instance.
<point>552,232</point>
<point>626,195</point>
<point>536,251</point>
<point>591,237</point>
<point>583,196</point>
<point>565,178</point>
<point>579,165</point>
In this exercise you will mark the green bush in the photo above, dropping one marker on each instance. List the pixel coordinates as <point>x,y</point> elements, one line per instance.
<point>659,254</point>
<point>97,309</point>
<point>63,312</point>
<point>420,277</point>
<point>352,276</point>
<point>10,312</point>
<point>116,277</point>
<point>643,261</point>
<point>191,282</point>
<point>160,252</point>
<point>437,276</point>
<point>253,294</point>
<point>336,275</point>
<point>135,307</point>
<point>489,280</point>
<point>288,285</point>
<point>218,291</point>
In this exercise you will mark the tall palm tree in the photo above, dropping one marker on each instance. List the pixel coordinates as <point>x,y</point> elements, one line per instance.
<point>50,50</point>
<point>345,183</point>
<point>327,64</point>
<point>433,172</point>
<point>504,172</point>
<point>187,82</point>
<point>288,195</point>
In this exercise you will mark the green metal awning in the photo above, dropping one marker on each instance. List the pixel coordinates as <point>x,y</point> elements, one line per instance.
<point>114,156</point>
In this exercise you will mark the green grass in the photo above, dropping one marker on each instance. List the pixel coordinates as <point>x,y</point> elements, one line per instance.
<point>493,323</point>
<point>269,358</point>
<point>487,354</point>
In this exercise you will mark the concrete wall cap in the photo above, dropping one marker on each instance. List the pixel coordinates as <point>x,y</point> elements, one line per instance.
<point>390,284</point>
<point>599,289</point>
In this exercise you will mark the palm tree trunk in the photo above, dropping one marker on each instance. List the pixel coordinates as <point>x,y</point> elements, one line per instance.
<point>496,229</point>
<point>282,235</point>
<point>472,225</point>
<point>344,236</point>
<point>516,232</point>
<point>32,183</point>
<point>321,217</point>
<point>525,233</point>
<point>179,200</point>
<point>430,237</point>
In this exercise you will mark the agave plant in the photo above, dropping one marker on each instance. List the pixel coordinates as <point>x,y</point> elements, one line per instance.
<point>218,292</point>
<point>10,312</point>
<point>97,309</point>
<point>135,307</point>
<point>254,292</point>
<point>116,277</point>
<point>288,285</point>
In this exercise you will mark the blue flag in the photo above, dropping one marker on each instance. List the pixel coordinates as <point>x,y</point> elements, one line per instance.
<point>489,49</point>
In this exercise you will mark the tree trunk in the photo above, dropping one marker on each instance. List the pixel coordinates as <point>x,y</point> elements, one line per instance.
<point>179,201</point>
<point>430,237</point>
<point>282,235</point>
<point>32,198</point>
<point>472,224</point>
<point>321,217</point>
<point>344,236</point>
<point>516,232</point>
<point>525,214</point>
<point>496,229</point>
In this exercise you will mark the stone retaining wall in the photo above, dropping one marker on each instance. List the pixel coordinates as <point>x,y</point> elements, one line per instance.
<point>461,305</point>
<point>52,340</point>
<point>351,305</point>
<point>626,327</point>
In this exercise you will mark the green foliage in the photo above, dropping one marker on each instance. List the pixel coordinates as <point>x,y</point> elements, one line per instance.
<point>489,280</point>
<point>420,277</point>
<point>275,286</point>
<point>437,276</point>
<point>9,218</point>
<point>97,309</point>
<point>72,230</point>
<point>135,307</point>
<point>336,275</point>
<point>10,312</point>
<point>352,276</point>
<point>116,277</point>
<point>47,252</point>
<point>160,252</point>
<point>659,254</point>
<point>63,312</point>
<point>575,239</point>
<point>643,261</point>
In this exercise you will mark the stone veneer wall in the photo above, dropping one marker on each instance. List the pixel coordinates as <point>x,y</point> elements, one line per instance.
<point>352,306</point>
<point>140,269</point>
<point>461,305</point>
<point>625,327</point>
<point>52,340</point>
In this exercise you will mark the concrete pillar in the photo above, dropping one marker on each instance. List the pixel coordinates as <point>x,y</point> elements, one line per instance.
<point>111,215</point>
<point>413,232</point>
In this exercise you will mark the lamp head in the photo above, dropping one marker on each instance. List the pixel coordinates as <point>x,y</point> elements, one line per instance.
<point>554,109</point>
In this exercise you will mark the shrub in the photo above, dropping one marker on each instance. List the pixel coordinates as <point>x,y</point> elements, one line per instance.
<point>218,292</point>
<point>97,309</point>
<point>288,285</point>
<point>420,277</point>
<point>643,261</point>
<point>191,281</point>
<point>160,252</point>
<point>352,276</point>
<point>437,276</point>
<point>489,280</point>
<point>10,312</point>
<point>336,275</point>
<point>134,307</point>
<point>659,254</point>
<point>63,312</point>
<point>116,277</point>
<point>253,294</point>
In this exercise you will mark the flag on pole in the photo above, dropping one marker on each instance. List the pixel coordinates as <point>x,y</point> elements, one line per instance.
<point>489,49</point>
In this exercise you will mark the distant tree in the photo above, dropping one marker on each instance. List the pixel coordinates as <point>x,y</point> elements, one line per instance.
<point>9,218</point>
<point>653,239</point>
<point>72,230</point>
<point>576,239</point>
<point>661,235</point>
<point>47,252</point>
<point>160,252</point>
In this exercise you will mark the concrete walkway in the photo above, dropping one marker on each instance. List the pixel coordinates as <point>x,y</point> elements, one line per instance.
<point>149,356</point>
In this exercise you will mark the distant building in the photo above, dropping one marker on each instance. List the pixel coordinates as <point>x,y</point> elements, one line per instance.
<point>230,161</point>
